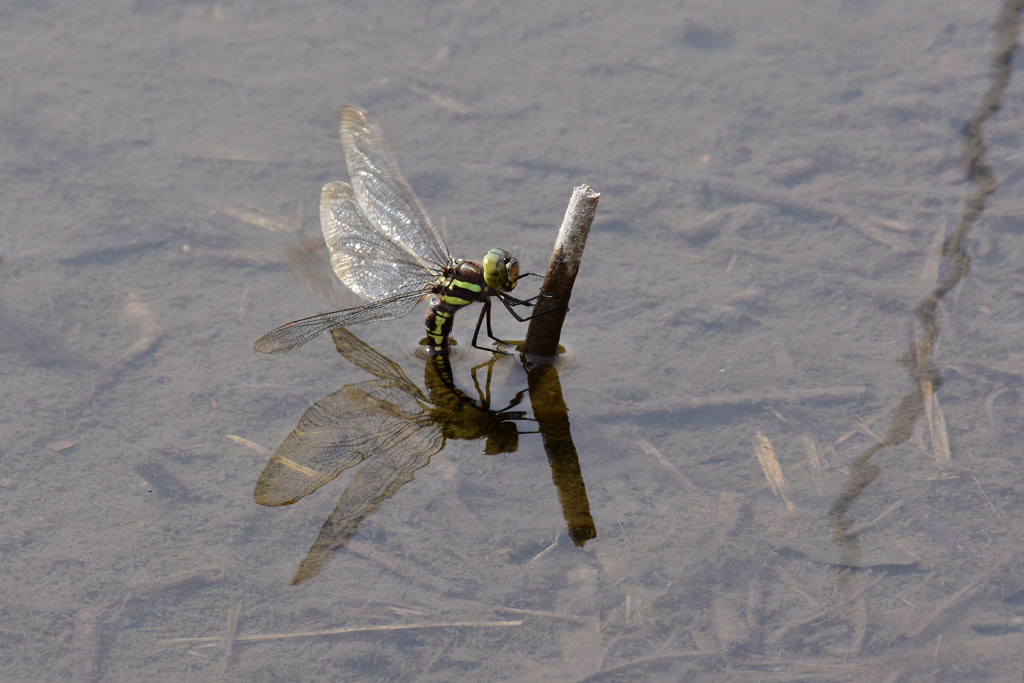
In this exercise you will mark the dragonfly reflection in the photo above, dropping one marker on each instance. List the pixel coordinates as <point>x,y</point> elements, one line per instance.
<point>387,421</point>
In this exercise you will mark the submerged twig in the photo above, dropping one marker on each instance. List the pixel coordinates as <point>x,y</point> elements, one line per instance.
<point>785,199</point>
<point>148,591</point>
<point>959,597</point>
<point>149,336</point>
<point>86,646</point>
<point>214,641</point>
<point>921,363</point>
<point>669,467</point>
<point>686,404</point>
<point>787,628</point>
<point>230,636</point>
<point>772,469</point>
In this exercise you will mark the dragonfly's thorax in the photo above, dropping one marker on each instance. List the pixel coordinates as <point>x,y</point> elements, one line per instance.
<point>461,285</point>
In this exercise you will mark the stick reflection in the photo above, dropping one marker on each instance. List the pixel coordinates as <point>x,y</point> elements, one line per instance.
<point>397,428</point>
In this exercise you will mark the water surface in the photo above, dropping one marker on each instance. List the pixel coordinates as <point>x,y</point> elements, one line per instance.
<point>775,180</point>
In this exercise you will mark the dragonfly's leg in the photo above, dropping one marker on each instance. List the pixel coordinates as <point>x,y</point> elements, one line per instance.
<point>515,302</point>
<point>486,314</point>
<point>484,392</point>
<point>524,275</point>
<point>521,302</point>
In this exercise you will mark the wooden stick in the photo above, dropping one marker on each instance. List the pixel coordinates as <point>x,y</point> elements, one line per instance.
<point>545,330</point>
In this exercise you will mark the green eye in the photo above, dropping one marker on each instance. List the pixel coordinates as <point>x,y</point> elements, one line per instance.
<point>501,270</point>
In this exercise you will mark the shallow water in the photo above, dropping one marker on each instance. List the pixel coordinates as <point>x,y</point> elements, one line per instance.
<point>773,187</point>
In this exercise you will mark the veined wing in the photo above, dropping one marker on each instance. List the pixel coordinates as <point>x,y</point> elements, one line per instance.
<point>291,336</point>
<point>375,482</point>
<point>369,261</point>
<point>383,193</point>
<point>309,260</point>
<point>340,431</point>
<point>362,355</point>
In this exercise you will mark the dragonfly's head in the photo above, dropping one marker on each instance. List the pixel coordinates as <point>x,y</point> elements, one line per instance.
<point>501,270</point>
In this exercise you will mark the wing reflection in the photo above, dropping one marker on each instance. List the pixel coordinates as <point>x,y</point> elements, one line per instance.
<point>391,423</point>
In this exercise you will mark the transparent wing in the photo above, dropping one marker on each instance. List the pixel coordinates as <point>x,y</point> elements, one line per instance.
<point>383,193</point>
<point>310,263</point>
<point>362,355</point>
<point>343,429</point>
<point>369,261</point>
<point>378,480</point>
<point>291,336</point>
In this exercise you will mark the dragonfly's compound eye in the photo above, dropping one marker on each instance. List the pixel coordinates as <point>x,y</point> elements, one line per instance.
<point>501,270</point>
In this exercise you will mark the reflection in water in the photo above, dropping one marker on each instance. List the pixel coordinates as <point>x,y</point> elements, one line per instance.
<point>398,428</point>
<point>553,417</point>
<point>924,375</point>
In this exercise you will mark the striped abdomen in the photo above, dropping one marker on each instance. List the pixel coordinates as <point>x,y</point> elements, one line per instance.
<point>464,286</point>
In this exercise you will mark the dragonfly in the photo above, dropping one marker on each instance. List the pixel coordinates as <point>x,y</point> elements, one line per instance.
<point>389,422</point>
<point>385,248</point>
